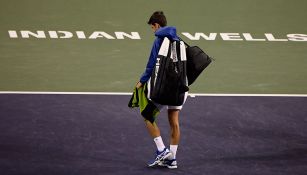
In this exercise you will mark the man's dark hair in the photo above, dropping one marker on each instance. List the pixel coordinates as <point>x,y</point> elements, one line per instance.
<point>157,17</point>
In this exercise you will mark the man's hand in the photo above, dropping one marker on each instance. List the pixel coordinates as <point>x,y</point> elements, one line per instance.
<point>138,85</point>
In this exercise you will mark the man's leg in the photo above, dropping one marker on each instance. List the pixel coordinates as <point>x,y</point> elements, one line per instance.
<point>173,118</point>
<point>162,152</point>
<point>153,129</point>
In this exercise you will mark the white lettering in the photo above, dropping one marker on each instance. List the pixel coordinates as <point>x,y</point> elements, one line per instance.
<point>66,34</point>
<point>134,35</point>
<point>27,34</point>
<point>53,34</point>
<point>197,36</point>
<point>249,37</point>
<point>81,34</point>
<point>13,34</point>
<point>96,35</point>
<point>231,36</point>
<point>270,37</point>
<point>297,37</point>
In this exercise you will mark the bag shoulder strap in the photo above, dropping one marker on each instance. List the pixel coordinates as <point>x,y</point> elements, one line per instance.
<point>184,42</point>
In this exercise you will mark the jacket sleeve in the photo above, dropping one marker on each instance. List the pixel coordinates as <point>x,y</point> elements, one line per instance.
<point>152,61</point>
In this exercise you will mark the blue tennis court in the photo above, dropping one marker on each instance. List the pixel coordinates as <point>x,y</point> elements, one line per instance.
<point>99,134</point>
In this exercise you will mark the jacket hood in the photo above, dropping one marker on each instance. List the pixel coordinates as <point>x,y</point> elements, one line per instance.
<point>168,31</point>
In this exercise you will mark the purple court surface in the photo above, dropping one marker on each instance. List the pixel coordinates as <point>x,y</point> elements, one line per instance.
<point>99,134</point>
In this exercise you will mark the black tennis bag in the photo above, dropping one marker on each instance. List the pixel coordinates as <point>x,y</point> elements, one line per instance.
<point>197,61</point>
<point>168,82</point>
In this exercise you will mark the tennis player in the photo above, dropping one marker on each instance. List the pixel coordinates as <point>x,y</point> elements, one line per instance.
<point>164,156</point>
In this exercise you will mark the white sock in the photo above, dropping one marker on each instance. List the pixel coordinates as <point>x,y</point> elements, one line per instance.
<point>159,143</point>
<point>173,149</point>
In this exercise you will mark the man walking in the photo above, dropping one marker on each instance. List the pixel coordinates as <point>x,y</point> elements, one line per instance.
<point>164,156</point>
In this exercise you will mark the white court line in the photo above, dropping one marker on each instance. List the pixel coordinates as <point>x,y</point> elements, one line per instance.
<point>250,95</point>
<point>66,93</point>
<point>129,93</point>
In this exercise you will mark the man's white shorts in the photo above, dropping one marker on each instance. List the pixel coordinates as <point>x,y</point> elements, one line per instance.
<point>160,107</point>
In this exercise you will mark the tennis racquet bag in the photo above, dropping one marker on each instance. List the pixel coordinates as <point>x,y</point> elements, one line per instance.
<point>168,82</point>
<point>197,61</point>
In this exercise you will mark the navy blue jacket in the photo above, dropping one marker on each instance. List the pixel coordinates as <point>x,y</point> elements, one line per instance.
<point>171,34</point>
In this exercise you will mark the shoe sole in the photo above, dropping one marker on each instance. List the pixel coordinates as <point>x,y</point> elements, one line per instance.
<point>171,167</point>
<point>168,166</point>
